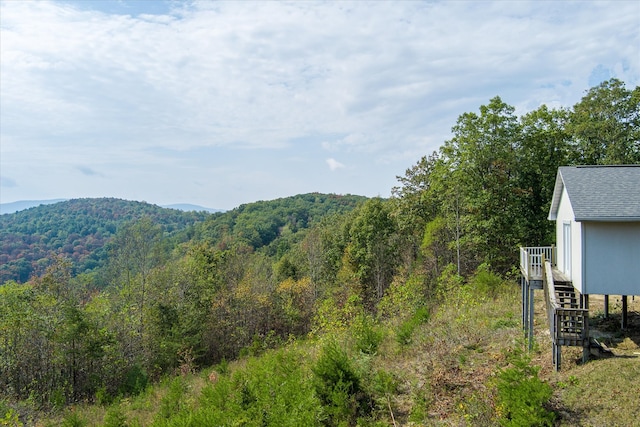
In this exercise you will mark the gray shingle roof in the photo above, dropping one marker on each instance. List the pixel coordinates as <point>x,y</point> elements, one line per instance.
<point>599,193</point>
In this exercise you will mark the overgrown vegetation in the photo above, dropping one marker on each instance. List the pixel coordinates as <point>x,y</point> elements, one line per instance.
<point>316,309</point>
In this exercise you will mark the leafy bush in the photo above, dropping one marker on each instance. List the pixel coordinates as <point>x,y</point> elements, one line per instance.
<point>485,282</point>
<point>102,396</point>
<point>73,420</point>
<point>8,416</point>
<point>404,294</point>
<point>521,394</point>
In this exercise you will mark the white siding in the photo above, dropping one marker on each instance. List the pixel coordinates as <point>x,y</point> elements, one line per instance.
<point>565,214</point>
<point>612,258</point>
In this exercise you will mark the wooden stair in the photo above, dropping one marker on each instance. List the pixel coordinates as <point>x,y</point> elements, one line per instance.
<point>568,321</point>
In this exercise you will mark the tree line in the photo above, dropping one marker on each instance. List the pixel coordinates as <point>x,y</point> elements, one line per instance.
<point>265,274</point>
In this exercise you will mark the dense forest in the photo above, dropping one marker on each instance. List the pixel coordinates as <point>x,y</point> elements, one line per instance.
<point>76,229</point>
<point>82,229</point>
<point>184,291</point>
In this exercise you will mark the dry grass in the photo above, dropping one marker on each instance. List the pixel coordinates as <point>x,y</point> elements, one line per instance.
<point>447,373</point>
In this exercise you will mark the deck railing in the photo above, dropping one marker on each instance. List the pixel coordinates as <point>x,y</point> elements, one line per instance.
<point>532,260</point>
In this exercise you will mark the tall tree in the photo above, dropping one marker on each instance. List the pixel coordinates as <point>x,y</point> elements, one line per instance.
<point>546,145</point>
<point>414,203</point>
<point>136,250</point>
<point>606,124</point>
<point>373,248</point>
<point>481,158</point>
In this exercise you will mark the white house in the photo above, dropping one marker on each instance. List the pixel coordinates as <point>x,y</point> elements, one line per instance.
<point>597,252</point>
<point>597,215</point>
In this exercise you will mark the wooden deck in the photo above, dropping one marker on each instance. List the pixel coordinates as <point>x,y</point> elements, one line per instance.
<point>532,261</point>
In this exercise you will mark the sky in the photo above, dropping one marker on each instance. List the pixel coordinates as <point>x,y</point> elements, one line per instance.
<point>223,103</point>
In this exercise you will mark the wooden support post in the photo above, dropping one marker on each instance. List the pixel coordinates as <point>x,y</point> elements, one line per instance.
<point>586,337</point>
<point>558,357</point>
<point>531,317</point>
<point>584,301</point>
<point>523,286</point>
<point>606,306</point>
<point>624,312</point>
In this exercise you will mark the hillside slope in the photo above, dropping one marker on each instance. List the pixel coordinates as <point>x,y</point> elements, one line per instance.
<point>444,372</point>
<point>76,229</point>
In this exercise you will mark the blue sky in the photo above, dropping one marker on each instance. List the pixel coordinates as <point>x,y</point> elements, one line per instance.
<point>224,103</point>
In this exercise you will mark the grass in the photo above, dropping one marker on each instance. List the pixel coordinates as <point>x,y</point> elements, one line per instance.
<point>602,392</point>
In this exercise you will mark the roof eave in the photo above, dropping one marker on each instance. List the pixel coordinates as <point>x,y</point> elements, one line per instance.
<point>555,200</point>
<point>609,219</point>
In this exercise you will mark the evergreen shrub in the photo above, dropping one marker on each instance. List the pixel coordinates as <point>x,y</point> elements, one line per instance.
<point>115,417</point>
<point>338,386</point>
<point>135,382</point>
<point>521,394</point>
<point>367,334</point>
<point>404,333</point>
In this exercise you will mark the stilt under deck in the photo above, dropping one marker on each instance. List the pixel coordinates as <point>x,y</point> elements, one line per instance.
<point>567,310</point>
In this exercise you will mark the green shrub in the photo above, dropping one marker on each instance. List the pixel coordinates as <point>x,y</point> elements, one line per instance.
<point>136,381</point>
<point>115,417</point>
<point>338,386</point>
<point>404,295</point>
<point>485,282</point>
<point>404,333</point>
<point>521,394</point>
<point>58,399</point>
<point>8,416</point>
<point>222,367</point>
<point>103,397</point>
<point>367,334</point>
<point>72,419</point>
<point>381,386</point>
<point>171,402</point>
<point>274,389</point>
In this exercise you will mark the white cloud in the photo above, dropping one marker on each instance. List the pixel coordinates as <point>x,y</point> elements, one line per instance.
<point>334,164</point>
<point>387,79</point>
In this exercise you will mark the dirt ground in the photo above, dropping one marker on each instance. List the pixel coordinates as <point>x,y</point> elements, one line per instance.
<point>608,330</point>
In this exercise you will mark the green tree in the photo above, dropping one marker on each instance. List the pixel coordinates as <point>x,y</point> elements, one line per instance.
<point>136,250</point>
<point>373,248</point>
<point>415,204</point>
<point>546,145</point>
<point>481,159</point>
<point>605,124</point>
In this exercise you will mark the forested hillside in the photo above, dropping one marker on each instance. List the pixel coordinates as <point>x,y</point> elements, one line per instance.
<point>77,230</point>
<point>329,276</point>
<point>80,230</point>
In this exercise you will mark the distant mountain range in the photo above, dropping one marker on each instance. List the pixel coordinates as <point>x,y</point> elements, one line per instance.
<point>13,207</point>
<point>186,207</point>
<point>6,208</point>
